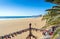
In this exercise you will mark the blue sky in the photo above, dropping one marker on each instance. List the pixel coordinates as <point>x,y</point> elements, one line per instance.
<point>23,7</point>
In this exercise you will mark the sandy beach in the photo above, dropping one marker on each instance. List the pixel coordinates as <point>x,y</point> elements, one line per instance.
<point>10,26</point>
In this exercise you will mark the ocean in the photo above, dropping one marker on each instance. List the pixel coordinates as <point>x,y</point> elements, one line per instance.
<point>15,17</point>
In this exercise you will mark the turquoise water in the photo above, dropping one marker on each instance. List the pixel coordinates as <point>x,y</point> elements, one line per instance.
<point>16,17</point>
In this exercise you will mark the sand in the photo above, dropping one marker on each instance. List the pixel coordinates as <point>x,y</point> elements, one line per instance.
<point>10,26</point>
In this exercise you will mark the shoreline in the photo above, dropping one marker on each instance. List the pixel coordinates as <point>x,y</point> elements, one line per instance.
<point>16,18</point>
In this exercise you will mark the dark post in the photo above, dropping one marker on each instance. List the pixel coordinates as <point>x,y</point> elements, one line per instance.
<point>30,30</point>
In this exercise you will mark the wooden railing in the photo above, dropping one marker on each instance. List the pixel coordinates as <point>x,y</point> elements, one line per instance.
<point>20,32</point>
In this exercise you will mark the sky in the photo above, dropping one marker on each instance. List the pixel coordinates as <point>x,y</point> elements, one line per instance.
<point>23,7</point>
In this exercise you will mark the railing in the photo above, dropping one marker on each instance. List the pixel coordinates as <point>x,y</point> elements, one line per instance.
<point>20,32</point>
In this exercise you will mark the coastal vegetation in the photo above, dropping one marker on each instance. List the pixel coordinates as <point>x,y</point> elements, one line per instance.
<point>53,1</point>
<point>52,17</point>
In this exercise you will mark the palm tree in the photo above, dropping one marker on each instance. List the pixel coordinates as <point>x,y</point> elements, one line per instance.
<point>53,18</point>
<point>50,15</point>
<point>53,1</point>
